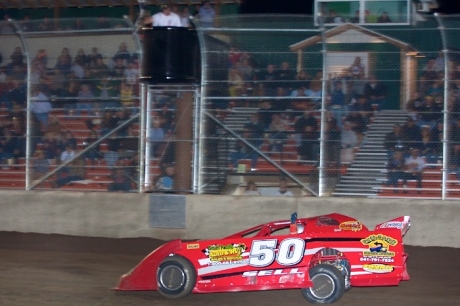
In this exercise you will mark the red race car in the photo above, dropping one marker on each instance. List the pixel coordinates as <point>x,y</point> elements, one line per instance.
<point>324,256</point>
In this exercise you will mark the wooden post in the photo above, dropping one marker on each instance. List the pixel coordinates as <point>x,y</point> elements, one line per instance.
<point>184,114</point>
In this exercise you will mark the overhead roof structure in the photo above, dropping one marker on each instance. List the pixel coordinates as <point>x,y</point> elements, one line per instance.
<point>22,4</point>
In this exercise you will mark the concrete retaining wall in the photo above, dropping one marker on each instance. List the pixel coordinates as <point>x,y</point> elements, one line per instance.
<point>117,215</point>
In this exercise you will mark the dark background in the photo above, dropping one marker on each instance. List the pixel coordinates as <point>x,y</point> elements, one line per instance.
<point>306,6</point>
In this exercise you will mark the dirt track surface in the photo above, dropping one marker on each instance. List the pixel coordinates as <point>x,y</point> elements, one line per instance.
<point>65,270</point>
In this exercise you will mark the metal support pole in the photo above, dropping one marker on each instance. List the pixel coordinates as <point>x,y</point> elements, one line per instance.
<point>196,142</point>
<point>445,138</point>
<point>142,138</point>
<point>148,124</point>
<point>28,152</point>
<point>322,141</point>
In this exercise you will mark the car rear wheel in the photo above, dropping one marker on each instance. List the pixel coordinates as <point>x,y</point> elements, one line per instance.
<point>176,277</point>
<point>328,285</point>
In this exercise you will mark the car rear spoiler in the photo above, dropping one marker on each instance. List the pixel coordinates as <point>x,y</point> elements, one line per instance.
<point>402,223</point>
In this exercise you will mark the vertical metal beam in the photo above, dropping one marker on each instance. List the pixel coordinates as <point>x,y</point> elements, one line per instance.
<point>196,142</point>
<point>445,138</point>
<point>142,138</point>
<point>29,111</point>
<point>322,142</point>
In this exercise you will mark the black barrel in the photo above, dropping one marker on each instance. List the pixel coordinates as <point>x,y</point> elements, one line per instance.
<point>170,55</point>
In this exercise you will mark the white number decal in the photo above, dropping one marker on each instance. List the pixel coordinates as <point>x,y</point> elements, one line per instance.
<point>262,253</point>
<point>290,252</point>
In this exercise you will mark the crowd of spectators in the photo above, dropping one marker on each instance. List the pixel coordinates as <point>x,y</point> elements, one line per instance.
<point>289,105</point>
<point>421,135</point>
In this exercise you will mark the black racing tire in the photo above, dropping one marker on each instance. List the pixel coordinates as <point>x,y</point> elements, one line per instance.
<point>328,285</point>
<point>176,277</point>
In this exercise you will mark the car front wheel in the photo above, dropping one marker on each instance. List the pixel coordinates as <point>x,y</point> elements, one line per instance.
<point>176,277</point>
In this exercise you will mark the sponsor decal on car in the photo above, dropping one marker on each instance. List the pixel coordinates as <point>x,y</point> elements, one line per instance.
<point>392,224</point>
<point>354,226</point>
<point>193,246</point>
<point>219,254</point>
<point>379,246</point>
<point>378,268</point>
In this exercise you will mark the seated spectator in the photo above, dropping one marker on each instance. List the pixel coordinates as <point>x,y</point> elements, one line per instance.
<point>429,112</point>
<point>107,92</point>
<point>349,142</point>
<point>268,80</point>
<point>8,147</point>
<point>121,182</point>
<point>40,165</point>
<point>280,104</point>
<point>308,149</point>
<point>93,154</point>
<point>315,92</point>
<point>277,133</point>
<point>46,25</point>
<point>396,168</point>
<point>85,100</point>
<point>51,146</point>
<point>16,94</point>
<point>285,77</point>
<point>93,56</point>
<point>414,167</point>
<point>78,68</point>
<point>64,62</point>
<point>384,18</point>
<point>102,23</point>
<point>123,54</point>
<point>243,151</point>
<point>99,70</point>
<point>165,183</point>
<point>108,122</point>
<point>251,189</point>
<point>357,69</point>
<point>283,191</point>
<point>126,97</point>
<point>111,156</point>
<point>427,146</point>
<point>78,25</point>
<point>76,172</point>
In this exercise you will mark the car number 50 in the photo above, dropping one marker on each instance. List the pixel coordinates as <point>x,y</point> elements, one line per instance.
<point>263,253</point>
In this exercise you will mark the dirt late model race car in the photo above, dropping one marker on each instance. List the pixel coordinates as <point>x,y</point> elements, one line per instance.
<point>324,256</point>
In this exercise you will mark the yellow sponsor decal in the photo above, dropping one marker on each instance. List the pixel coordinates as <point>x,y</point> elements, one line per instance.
<point>378,268</point>
<point>193,246</point>
<point>379,245</point>
<point>229,252</point>
<point>354,226</point>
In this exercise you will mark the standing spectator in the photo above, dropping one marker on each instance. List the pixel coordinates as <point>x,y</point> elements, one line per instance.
<point>376,92</point>
<point>393,141</point>
<point>396,169</point>
<point>333,139</point>
<point>206,15</point>
<point>166,18</point>
<point>357,69</point>
<point>411,133</point>
<point>156,139</point>
<point>338,107</point>
<point>283,191</point>
<point>414,167</point>
<point>251,189</point>
<point>349,142</point>
<point>40,106</point>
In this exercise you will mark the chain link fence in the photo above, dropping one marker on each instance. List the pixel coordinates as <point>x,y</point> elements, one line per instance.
<point>344,109</point>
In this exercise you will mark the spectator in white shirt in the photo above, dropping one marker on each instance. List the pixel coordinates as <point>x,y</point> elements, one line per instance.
<point>283,191</point>
<point>166,18</point>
